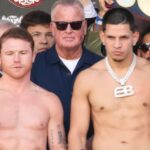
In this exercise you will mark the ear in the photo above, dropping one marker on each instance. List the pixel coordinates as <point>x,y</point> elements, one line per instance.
<point>102,37</point>
<point>135,37</point>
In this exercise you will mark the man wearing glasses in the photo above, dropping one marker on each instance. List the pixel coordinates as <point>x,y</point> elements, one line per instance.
<point>57,68</point>
<point>144,48</point>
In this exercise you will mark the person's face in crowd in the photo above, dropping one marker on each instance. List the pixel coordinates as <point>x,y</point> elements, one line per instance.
<point>16,58</point>
<point>119,41</point>
<point>42,37</point>
<point>145,47</point>
<point>105,5</point>
<point>68,36</point>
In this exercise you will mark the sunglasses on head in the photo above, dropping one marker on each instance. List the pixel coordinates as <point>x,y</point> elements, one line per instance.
<point>145,47</point>
<point>75,25</point>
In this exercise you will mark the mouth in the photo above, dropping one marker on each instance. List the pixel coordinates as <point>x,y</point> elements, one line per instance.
<point>117,53</point>
<point>68,38</point>
<point>17,67</point>
<point>109,6</point>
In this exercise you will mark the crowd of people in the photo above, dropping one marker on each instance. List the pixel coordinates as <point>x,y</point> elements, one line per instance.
<point>70,83</point>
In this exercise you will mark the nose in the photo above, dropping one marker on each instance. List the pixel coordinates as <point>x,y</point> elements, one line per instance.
<point>68,29</point>
<point>16,57</point>
<point>44,39</point>
<point>117,43</point>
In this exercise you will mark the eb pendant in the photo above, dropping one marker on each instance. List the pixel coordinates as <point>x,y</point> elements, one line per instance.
<point>123,91</point>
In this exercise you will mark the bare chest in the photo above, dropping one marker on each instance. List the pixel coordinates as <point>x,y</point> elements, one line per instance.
<point>131,111</point>
<point>18,112</point>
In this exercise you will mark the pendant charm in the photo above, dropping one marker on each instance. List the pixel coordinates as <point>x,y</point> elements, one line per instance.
<point>122,82</point>
<point>123,91</point>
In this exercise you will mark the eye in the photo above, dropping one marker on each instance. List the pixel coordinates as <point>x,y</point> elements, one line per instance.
<point>36,34</point>
<point>124,37</point>
<point>110,37</point>
<point>49,34</point>
<point>9,52</point>
<point>23,52</point>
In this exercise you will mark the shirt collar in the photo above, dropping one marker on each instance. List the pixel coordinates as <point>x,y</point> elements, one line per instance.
<point>88,57</point>
<point>52,56</point>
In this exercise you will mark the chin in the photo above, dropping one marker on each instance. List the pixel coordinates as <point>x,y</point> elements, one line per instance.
<point>118,58</point>
<point>17,75</point>
<point>69,46</point>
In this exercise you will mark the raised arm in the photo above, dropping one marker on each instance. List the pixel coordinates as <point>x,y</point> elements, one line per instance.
<point>80,115</point>
<point>56,134</point>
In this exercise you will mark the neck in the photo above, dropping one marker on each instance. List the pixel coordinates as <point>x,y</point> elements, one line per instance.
<point>122,80</point>
<point>15,85</point>
<point>120,67</point>
<point>70,53</point>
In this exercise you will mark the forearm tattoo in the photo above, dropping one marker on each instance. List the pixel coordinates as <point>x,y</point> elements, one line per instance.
<point>51,139</point>
<point>61,136</point>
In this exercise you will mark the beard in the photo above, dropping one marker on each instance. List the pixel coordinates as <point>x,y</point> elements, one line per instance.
<point>118,60</point>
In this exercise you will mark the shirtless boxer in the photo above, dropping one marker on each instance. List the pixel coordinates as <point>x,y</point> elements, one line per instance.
<point>29,114</point>
<point>114,92</point>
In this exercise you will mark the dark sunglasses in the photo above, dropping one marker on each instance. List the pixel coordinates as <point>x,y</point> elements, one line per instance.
<point>145,47</point>
<point>75,25</point>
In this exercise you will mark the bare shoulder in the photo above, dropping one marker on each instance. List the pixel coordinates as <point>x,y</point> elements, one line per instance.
<point>93,70</point>
<point>46,97</point>
<point>92,73</point>
<point>143,65</point>
<point>143,72</point>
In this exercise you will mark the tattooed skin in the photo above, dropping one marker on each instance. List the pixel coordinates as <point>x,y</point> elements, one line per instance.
<point>61,137</point>
<point>51,139</point>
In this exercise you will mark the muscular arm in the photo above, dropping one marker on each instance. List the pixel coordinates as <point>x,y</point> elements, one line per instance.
<point>56,134</point>
<point>80,116</point>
